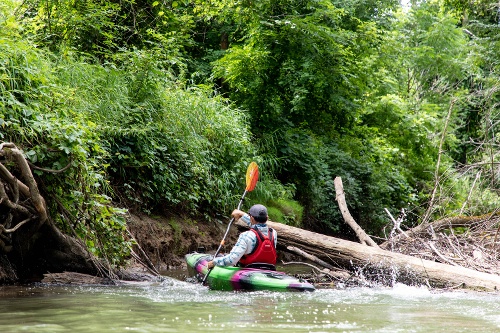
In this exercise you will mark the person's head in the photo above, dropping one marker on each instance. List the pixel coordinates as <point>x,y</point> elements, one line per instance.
<point>259,213</point>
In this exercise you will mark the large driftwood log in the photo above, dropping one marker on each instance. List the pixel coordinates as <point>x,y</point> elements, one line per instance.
<point>384,266</point>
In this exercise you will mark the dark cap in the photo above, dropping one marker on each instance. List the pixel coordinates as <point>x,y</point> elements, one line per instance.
<point>259,213</point>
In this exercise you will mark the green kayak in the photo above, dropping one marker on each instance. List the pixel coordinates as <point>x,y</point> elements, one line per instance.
<point>237,278</point>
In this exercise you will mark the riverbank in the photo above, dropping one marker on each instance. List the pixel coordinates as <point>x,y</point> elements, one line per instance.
<point>163,241</point>
<point>166,239</point>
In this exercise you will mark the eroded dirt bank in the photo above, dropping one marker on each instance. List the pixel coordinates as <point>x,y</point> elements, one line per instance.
<point>165,240</point>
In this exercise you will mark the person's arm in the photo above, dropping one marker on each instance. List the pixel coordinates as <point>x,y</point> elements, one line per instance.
<point>238,215</point>
<point>241,247</point>
<point>241,215</point>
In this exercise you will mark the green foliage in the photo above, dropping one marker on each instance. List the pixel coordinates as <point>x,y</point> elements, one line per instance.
<point>162,105</point>
<point>181,148</point>
<point>189,157</point>
<point>478,135</point>
<point>301,59</point>
<point>370,178</point>
<point>33,116</point>
<point>103,28</point>
<point>314,64</point>
<point>285,211</point>
<point>174,147</point>
<point>423,69</point>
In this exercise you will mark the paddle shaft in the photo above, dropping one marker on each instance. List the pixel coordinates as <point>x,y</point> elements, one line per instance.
<point>225,235</point>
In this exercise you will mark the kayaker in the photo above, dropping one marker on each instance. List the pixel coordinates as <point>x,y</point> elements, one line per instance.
<point>256,246</point>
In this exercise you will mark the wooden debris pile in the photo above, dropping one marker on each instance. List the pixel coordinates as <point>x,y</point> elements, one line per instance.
<point>456,252</point>
<point>470,242</point>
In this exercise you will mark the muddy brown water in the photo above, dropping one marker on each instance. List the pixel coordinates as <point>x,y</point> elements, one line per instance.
<point>179,306</point>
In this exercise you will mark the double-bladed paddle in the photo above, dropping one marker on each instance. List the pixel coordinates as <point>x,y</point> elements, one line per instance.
<point>251,180</point>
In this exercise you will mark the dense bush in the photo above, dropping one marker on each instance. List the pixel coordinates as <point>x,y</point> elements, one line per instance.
<point>119,132</point>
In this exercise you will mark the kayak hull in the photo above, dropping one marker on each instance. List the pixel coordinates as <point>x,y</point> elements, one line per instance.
<point>237,278</point>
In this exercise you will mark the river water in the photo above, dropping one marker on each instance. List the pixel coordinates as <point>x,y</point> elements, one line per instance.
<point>177,306</point>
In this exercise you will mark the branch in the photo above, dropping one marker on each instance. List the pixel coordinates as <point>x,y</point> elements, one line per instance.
<point>13,181</point>
<point>363,237</point>
<point>8,231</point>
<point>34,194</point>
<point>52,170</point>
<point>468,32</point>
<point>309,256</point>
<point>438,165</point>
<point>397,223</point>
<point>5,201</point>
<point>446,260</point>
<point>449,222</point>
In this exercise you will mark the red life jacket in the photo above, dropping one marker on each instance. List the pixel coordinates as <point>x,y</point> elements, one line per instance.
<point>264,251</point>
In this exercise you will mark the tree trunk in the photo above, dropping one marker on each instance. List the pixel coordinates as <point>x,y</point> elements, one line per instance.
<point>380,265</point>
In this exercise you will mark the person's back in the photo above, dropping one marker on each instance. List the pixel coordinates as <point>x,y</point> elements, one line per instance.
<point>264,251</point>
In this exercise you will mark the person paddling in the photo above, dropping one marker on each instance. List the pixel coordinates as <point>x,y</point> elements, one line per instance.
<point>255,247</point>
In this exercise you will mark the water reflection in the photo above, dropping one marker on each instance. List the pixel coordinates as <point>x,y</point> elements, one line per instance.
<point>176,306</point>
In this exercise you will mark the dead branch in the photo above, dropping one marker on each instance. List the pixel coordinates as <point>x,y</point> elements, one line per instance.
<point>446,223</point>
<point>362,236</point>
<point>149,264</point>
<point>446,260</point>
<point>478,175</point>
<point>309,257</point>
<point>437,177</point>
<point>397,223</point>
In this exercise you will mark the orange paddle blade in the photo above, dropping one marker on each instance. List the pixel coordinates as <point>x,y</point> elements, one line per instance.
<point>252,176</point>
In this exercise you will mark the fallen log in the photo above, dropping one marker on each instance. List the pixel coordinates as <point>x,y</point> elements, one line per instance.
<point>380,265</point>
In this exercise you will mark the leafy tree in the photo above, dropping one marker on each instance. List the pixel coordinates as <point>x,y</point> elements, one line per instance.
<point>340,90</point>
<point>478,154</point>
<point>173,147</point>
<point>104,28</point>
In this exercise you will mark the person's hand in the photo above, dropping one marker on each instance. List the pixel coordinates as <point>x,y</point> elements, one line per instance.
<point>237,214</point>
<point>210,264</point>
